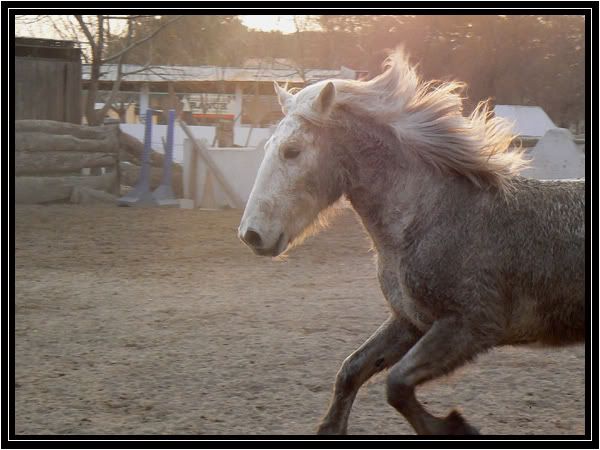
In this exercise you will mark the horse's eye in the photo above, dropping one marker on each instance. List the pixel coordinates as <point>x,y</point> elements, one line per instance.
<point>291,153</point>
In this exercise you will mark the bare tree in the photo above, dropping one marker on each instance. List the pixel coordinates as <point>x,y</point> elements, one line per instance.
<point>97,32</point>
<point>121,106</point>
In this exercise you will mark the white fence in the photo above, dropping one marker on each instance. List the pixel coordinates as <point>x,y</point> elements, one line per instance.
<point>239,166</point>
<point>240,134</point>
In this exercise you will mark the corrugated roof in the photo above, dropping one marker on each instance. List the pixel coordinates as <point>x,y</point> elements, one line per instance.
<point>527,120</point>
<point>42,42</point>
<point>208,73</point>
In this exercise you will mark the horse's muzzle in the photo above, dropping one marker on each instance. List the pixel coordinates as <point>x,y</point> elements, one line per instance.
<point>254,240</point>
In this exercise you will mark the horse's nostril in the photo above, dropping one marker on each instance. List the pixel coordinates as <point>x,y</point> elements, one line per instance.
<point>253,238</point>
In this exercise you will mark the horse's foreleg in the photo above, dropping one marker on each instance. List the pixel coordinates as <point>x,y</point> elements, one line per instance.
<point>386,346</point>
<point>447,345</point>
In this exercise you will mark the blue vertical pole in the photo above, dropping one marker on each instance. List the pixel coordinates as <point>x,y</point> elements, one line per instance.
<point>140,194</point>
<point>164,195</point>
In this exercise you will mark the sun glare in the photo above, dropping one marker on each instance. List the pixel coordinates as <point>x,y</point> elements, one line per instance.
<point>49,26</point>
<point>285,24</point>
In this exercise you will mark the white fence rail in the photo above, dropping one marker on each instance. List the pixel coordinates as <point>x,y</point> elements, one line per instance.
<point>240,134</point>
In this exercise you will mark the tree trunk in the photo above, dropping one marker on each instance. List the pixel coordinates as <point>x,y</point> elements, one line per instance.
<point>134,147</point>
<point>38,142</point>
<point>43,163</point>
<point>92,92</point>
<point>86,196</point>
<point>173,103</point>
<point>64,128</point>
<point>130,174</point>
<point>32,190</point>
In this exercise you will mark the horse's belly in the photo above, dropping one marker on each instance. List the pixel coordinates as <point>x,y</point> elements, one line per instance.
<point>403,304</point>
<point>553,321</point>
<point>524,324</point>
<point>419,316</point>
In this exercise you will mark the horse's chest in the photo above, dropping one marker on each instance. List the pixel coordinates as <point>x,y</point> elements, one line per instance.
<point>402,303</point>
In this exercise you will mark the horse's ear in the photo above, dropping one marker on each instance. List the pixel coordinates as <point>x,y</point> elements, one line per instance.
<point>284,97</point>
<point>325,99</point>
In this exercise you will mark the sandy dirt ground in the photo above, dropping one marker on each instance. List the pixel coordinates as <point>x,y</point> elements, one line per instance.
<point>159,321</point>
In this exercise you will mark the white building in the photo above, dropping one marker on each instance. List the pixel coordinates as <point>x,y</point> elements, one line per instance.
<point>243,95</point>
<point>528,121</point>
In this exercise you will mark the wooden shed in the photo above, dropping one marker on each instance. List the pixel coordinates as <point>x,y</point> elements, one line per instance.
<point>47,80</point>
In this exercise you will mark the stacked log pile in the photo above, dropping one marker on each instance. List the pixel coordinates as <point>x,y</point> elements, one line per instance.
<point>49,156</point>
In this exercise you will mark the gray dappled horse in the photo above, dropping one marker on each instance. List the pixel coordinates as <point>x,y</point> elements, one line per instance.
<point>470,255</point>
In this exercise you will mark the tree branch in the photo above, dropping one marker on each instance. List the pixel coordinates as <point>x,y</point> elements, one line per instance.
<point>117,84</point>
<point>140,41</point>
<point>88,34</point>
<point>100,43</point>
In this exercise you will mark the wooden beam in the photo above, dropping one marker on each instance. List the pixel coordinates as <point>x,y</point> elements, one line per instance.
<point>62,128</point>
<point>44,163</point>
<point>33,141</point>
<point>32,190</point>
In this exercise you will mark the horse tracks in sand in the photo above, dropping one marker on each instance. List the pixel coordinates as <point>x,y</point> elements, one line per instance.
<point>159,321</point>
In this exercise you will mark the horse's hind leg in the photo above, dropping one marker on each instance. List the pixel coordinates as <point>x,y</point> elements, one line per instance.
<point>383,349</point>
<point>447,345</point>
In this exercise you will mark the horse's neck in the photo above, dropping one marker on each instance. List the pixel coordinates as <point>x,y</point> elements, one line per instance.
<point>386,191</point>
<point>388,207</point>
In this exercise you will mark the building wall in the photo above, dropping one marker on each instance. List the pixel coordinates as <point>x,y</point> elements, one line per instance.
<point>556,157</point>
<point>47,89</point>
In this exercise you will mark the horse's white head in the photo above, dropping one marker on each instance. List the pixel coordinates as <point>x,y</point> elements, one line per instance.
<point>294,182</point>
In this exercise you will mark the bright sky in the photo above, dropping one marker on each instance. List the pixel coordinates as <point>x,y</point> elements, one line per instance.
<point>43,28</point>
<point>285,24</point>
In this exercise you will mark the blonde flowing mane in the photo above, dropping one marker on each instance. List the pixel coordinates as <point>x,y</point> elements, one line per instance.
<point>427,119</point>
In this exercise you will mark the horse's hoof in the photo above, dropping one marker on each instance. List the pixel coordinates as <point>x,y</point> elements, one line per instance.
<point>457,425</point>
